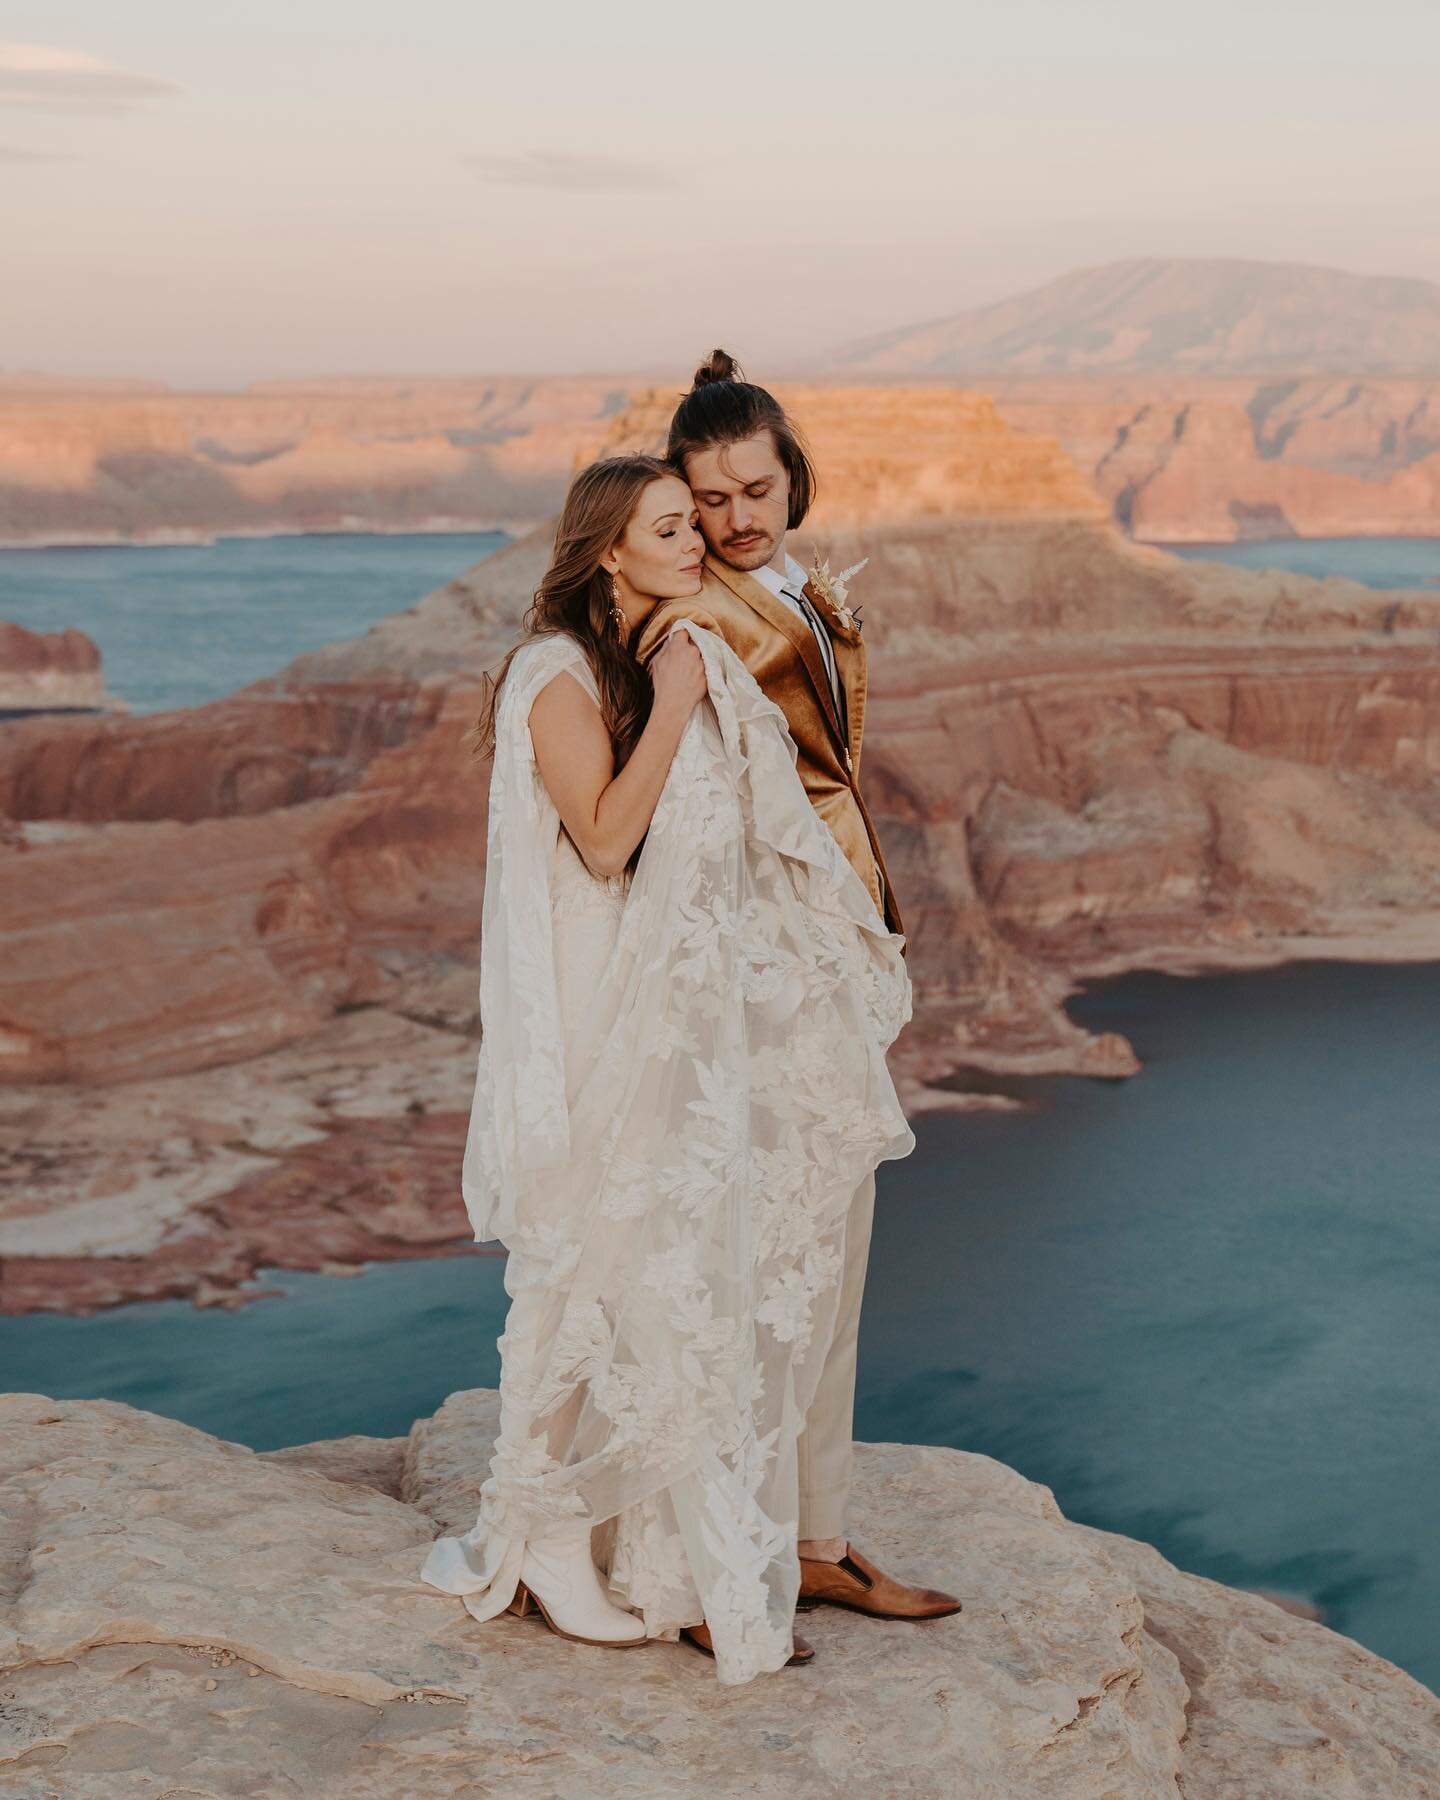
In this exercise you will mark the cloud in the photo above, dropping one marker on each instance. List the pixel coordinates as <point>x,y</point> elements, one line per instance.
<point>44,79</point>
<point>573,170</point>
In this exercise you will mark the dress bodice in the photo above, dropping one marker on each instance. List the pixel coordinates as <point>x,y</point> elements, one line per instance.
<point>575,889</point>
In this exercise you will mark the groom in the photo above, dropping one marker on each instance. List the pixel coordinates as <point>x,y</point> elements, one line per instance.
<point>753,482</point>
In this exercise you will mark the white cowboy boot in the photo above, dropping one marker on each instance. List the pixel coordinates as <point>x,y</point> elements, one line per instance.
<point>558,1574</point>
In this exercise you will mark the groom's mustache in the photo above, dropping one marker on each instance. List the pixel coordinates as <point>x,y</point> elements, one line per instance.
<point>741,539</point>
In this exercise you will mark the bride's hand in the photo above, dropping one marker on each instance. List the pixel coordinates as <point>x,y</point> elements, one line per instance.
<point>677,673</point>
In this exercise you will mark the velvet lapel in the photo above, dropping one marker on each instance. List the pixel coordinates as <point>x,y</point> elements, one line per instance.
<point>790,625</point>
<point>850,666</point>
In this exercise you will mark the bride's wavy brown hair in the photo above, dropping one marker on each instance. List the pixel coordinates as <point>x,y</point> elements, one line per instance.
<point>574,596</point>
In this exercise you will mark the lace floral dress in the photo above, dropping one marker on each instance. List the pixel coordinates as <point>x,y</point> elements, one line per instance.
<point>680,1084</point>
<point>585,920</point>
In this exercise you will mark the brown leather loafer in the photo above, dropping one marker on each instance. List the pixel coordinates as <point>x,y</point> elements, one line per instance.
<point>699,1636</point>
<point>855,1582</point>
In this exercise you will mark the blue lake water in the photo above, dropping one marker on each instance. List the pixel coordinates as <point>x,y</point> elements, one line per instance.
<point>1381,562</point>
<point>177,625</point>
<point>1200,1304</point>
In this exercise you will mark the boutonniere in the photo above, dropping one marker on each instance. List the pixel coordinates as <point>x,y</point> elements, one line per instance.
<point>834,588</point>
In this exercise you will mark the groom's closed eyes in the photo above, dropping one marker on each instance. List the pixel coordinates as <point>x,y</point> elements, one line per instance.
<point>756,490</point>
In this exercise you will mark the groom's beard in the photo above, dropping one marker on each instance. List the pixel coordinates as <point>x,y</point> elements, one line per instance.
<point>752,550</point>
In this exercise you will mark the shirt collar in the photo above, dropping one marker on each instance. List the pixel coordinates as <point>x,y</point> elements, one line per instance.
<point>793,578</point>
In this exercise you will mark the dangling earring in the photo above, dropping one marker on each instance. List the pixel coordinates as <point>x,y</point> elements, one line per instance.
<point>617,611</point>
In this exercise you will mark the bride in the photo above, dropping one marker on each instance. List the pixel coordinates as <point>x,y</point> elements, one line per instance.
<point>686,997</point>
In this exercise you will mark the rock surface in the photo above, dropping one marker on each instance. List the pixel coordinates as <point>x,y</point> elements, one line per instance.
<point>367,1462</point>
<point>180,1615</point>
<point>338,1150</point>
<point>50,671</point>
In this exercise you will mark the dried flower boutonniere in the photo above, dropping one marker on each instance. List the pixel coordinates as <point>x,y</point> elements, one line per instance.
<point>833,588</point>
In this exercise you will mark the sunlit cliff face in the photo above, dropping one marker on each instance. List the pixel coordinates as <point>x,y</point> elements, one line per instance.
<point>743,494</point>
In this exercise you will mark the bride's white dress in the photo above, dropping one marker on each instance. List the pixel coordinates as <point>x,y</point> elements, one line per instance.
<point>681,1083</point>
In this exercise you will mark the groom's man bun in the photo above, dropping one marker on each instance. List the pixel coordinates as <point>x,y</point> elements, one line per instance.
<point>719,365</point>
<point>723,408</point>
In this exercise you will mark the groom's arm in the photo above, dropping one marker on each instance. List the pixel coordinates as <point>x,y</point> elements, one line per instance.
<point>669,613</point>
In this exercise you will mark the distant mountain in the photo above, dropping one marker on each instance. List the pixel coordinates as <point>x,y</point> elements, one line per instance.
<point>1196,316</point>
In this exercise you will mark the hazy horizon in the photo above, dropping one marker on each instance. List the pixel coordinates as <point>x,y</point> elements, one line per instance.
<point>210,200</point>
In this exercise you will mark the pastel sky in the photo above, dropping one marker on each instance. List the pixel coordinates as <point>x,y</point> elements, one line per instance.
<point>215,194</point>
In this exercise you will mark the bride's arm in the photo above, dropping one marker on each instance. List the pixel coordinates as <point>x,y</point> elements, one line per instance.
<point>607,814</point>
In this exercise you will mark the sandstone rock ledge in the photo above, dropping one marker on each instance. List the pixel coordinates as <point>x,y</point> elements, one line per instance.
<point>183,1616</point>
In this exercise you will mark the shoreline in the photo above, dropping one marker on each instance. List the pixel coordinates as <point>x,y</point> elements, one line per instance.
<point>200,537</point>
<point>181,538</point>
<point>1293,537</point>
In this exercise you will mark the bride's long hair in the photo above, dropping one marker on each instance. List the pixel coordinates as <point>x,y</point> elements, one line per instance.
<point>574,595</point>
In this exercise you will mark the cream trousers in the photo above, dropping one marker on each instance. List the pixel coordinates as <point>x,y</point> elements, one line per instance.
<point>826,1447</point>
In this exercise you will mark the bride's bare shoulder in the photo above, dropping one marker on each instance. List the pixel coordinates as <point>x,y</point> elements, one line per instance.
<point>536,664</point>
<point>551,701</point>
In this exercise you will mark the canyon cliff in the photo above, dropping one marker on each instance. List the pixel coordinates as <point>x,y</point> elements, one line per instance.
<point>178,1611</point>
<point>1174,457</point>
<point>1083,756</point>
<point>101,466</point>
<point>1217,461</point>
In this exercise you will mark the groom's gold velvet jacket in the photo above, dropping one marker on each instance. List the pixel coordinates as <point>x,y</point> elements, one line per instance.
<point>780,651</point>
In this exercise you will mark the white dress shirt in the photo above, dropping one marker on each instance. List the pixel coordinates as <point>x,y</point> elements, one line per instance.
<point>787,587</point>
